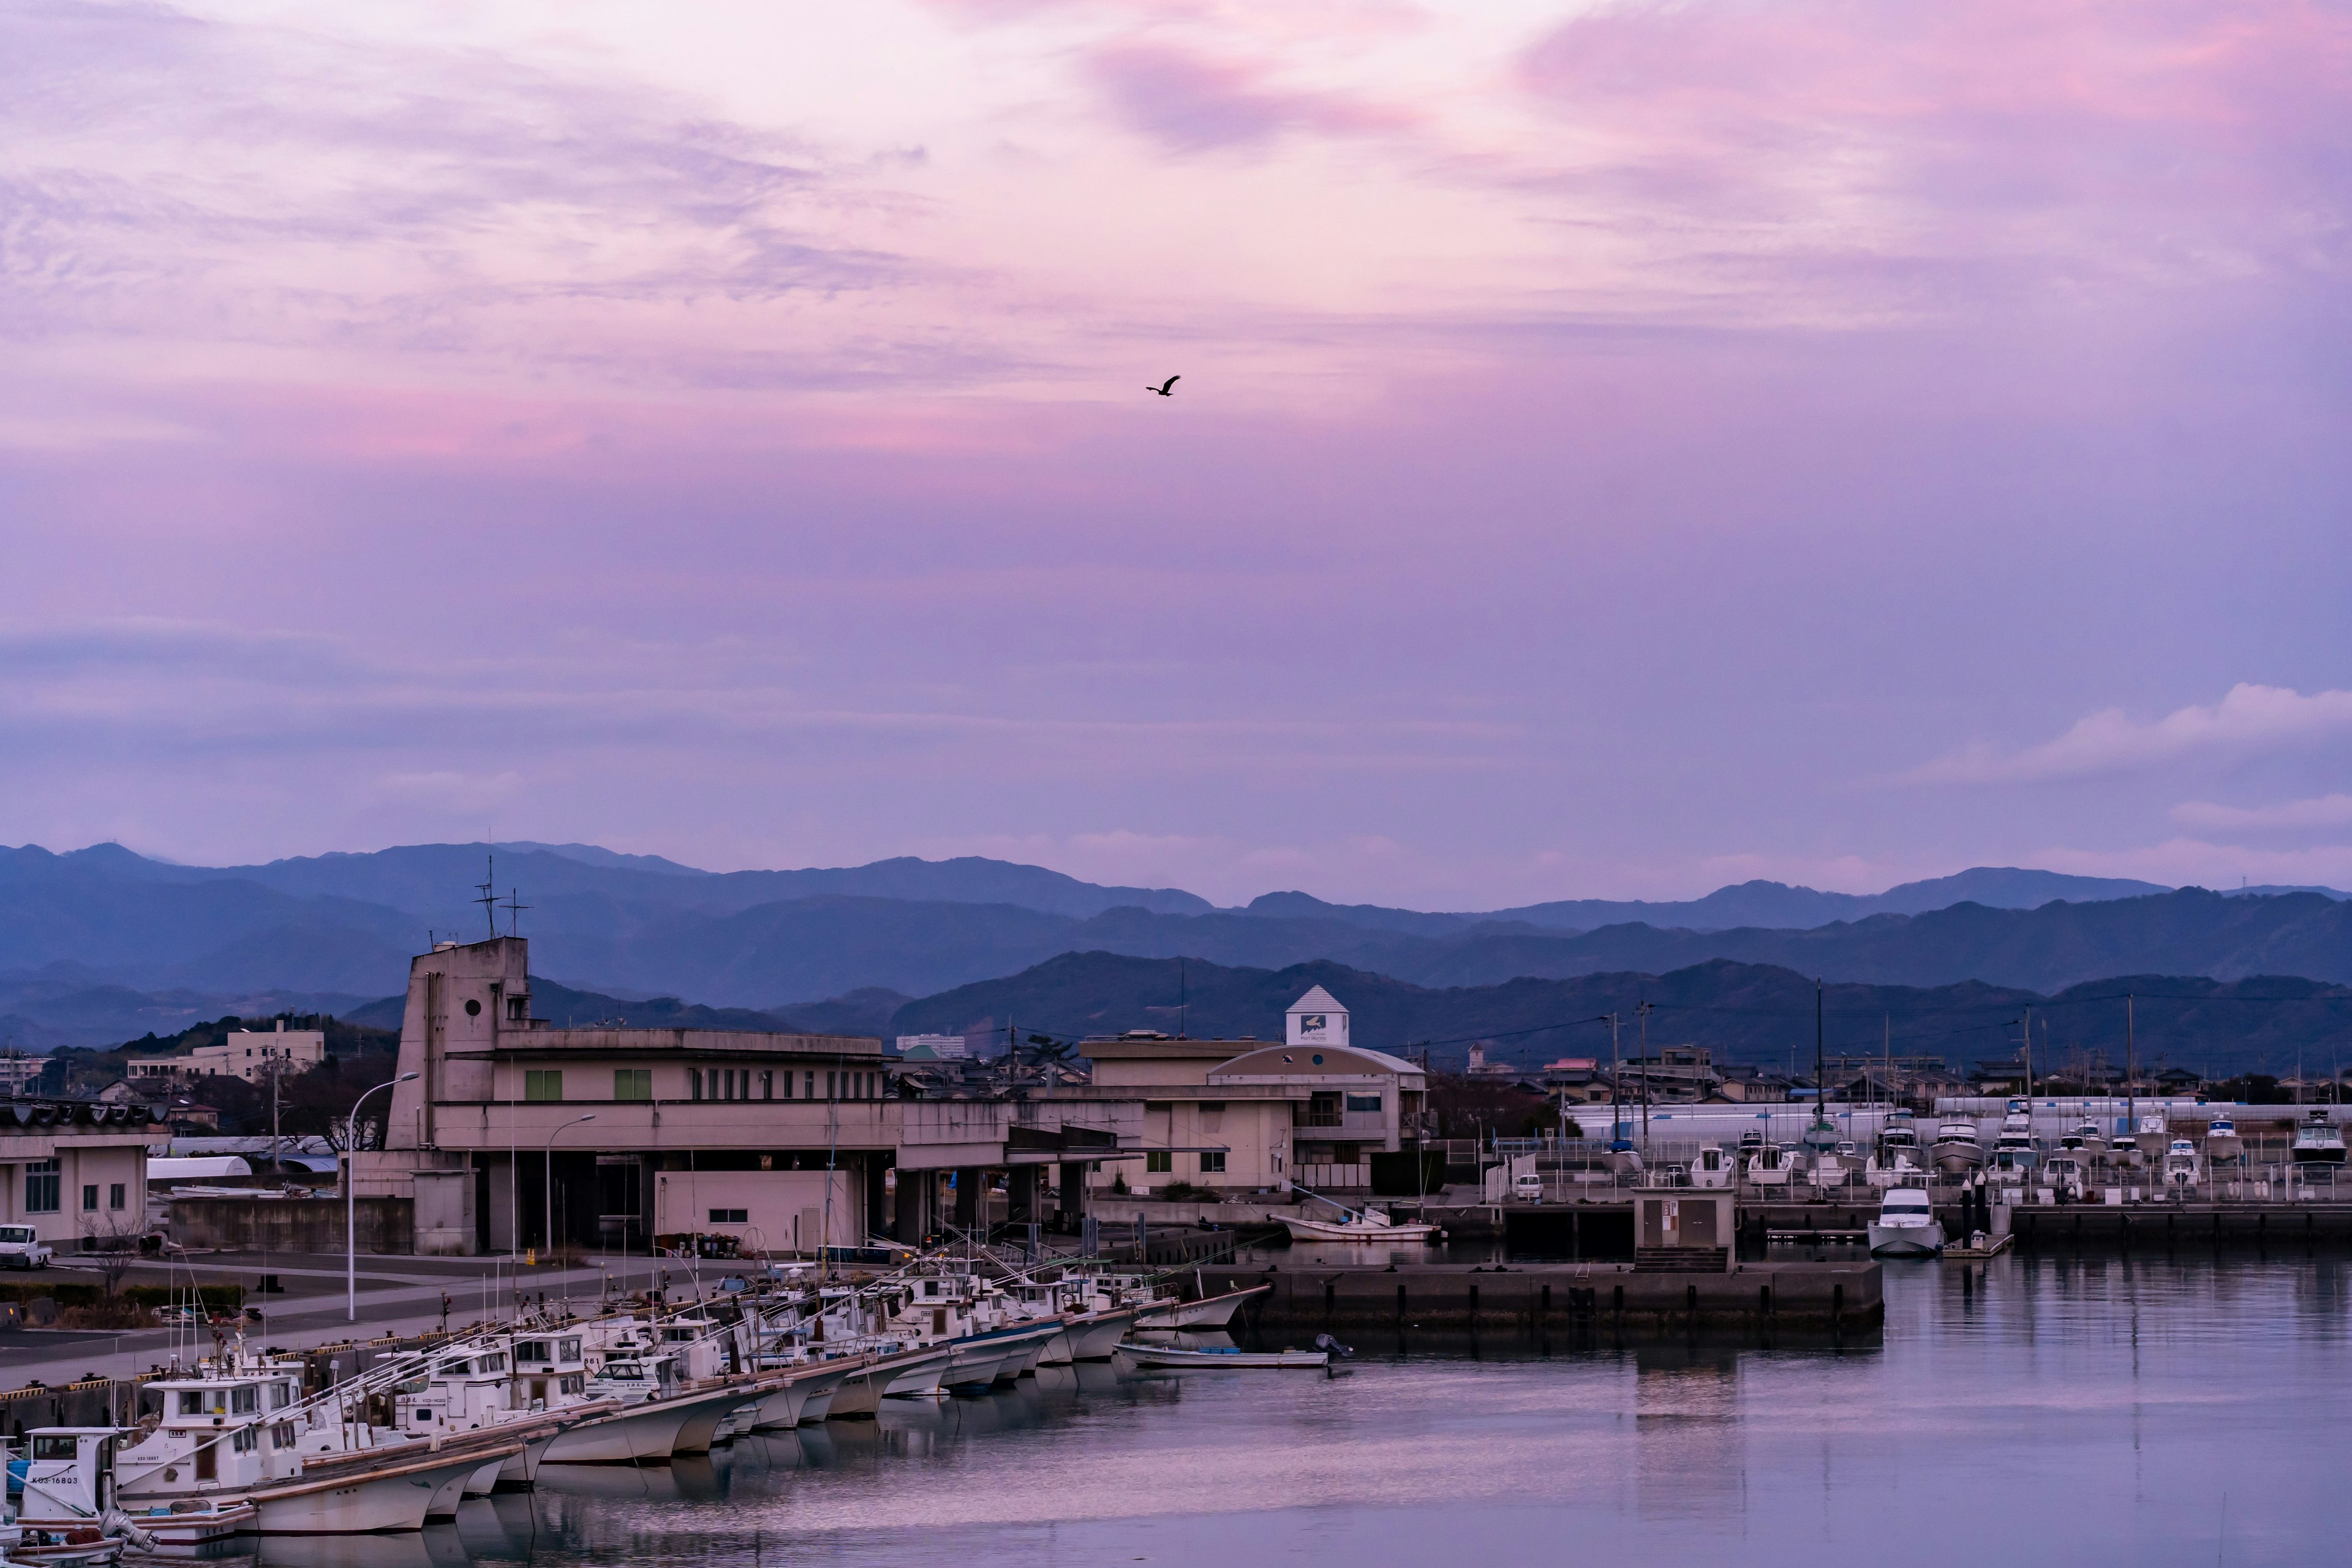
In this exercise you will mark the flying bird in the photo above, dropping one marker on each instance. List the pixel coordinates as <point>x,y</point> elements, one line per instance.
<point>1166,388</point>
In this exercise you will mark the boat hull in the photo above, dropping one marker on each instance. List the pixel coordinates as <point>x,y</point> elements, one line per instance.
<point>1906,1240</point>
<point>1361,1235</point>
<point>919,1379</point>
<point>362,1502</point>
<point>1210,1312</point>
<point>1098,1338</point>
<point>639,1432</point>
<point>1956,1157</point>
<point>1225,1361</point>
<point>859,1395</point>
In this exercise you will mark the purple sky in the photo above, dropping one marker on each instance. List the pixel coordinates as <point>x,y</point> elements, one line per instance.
<point>1621,449</point>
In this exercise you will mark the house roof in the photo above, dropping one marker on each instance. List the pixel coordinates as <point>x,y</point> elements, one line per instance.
<point>1316,1000</point>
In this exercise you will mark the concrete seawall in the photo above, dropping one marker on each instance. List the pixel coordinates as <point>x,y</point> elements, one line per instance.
<point>1601,1299</point>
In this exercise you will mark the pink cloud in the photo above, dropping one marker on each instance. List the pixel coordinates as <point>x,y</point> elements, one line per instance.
<point>1190,104</point>
<point>2169,130</point>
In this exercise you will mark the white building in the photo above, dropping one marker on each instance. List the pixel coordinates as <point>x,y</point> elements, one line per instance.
<point>1244,1115</point>
<point>246,1053</point>
<point>946,1047</point>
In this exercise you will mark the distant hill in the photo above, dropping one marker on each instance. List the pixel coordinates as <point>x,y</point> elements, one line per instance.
<point>639,926</point>
<point>1746,1013</point>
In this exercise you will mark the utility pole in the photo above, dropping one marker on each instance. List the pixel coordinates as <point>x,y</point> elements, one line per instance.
<point>1616,1088</point>
<point>2029,1057</point>
<point>1641,1009</point>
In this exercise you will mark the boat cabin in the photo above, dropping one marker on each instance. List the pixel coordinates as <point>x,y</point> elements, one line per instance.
<point>229,1430</point>
<point>552,1370</point>
<point>68,1476</point>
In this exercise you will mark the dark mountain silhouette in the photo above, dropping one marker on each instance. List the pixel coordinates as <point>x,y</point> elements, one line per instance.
<point>1746,1013</point>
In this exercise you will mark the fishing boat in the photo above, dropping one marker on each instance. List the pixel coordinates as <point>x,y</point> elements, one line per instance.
<point>1208,1312</point>
<point>1368,1226</point>
<point>1170,1358</point>
<point>1907,1226</point>
<point>2317,1141</point>
<point>239,1433</point>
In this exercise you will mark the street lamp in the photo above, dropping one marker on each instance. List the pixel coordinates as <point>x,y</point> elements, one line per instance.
<point>549,1179</point>
<point>351,1200</point>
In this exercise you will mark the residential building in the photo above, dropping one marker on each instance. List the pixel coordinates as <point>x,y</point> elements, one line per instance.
<point>20,1073</point>
<point>1677,1075</point>
<point>934,1047</point>
<point>247,1053</point>
<point>75,1172</point>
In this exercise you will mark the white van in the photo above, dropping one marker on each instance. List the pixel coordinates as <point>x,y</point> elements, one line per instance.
<point>1528,1188</point>
<point>20,1248</point>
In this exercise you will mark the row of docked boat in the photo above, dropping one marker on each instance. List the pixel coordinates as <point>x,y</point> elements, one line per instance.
<point>237,1445</point>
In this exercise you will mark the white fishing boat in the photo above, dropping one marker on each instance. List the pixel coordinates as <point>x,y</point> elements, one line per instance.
<point>1367,1226</point>
<point>1208,1312</point>
<point>1907,1226</point>
<point>2317,1141</point>
<point>1171,1359</point>
<point>241,1432</point>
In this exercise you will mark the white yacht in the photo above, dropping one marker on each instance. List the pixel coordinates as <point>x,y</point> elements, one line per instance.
<point>2180,1165</point>
<point>2067,1172</point>
<point>2221,1140</point>
<point>2317,1141</point>
<point>1907,1226</point>
<point>1956,1148</point>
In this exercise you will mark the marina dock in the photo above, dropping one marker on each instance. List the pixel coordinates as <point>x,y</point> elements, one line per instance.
<point>1598,1300</point>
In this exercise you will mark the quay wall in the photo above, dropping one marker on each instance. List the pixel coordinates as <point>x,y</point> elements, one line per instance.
<point>291,1225</point>
<point>1534,1300</point>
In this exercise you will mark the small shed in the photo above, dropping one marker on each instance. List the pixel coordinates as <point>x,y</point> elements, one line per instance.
<point>179,1171</point>
<point>1688,1229</point>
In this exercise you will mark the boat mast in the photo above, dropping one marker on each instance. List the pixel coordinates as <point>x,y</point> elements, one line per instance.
<point>2131,1101</point>
<point>1616,1088</point>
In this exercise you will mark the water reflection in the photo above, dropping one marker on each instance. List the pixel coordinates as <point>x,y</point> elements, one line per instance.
<point>2076,1409</point>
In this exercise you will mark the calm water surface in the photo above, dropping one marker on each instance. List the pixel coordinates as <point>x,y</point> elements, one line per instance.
<point>2084,1412</point>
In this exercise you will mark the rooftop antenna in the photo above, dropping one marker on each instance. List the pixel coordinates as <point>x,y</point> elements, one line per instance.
<point>514,910</point>
<point>489,898</point>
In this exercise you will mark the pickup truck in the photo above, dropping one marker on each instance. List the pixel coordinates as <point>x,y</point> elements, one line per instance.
<point>21,1248</point>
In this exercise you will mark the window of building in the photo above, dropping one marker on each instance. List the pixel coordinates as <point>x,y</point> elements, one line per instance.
<point>1213,1163</point>
<point>89,1197</point>
<point>41,1186</point>
<point>1364,1102</point>
<point>1156,1160</point>
<point>731,1216</point>
<point>694,1082</point>
<point>114,1196</point>
<point>768,1083</point>
<point>542,1083</point>
<point>633,1083</point>
<point>808,1086</point>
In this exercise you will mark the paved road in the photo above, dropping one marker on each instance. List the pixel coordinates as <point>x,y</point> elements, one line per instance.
<point>397,1296</point>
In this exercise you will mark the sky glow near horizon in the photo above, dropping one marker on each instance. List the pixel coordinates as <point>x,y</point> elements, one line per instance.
<point>1621,449</point>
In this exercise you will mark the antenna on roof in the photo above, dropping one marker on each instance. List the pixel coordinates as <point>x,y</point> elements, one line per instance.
<point>489,898</point>
<point>514,910</point>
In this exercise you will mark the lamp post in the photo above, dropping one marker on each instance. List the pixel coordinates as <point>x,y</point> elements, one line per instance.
<point>549,1179</point>
<point>351,1200</point>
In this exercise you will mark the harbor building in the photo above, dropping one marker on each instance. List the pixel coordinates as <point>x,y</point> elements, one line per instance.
<point>75,1172</point>
<point>1243,1115</point>
<point>515,1134</point>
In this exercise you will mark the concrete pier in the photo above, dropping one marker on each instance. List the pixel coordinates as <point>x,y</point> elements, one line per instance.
<point>1603,1300</point>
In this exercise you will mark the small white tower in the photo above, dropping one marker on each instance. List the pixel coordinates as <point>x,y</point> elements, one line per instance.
<point>1316,1019</point>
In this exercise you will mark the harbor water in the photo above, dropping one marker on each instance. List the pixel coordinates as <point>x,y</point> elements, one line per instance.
<point>2030,1410</point>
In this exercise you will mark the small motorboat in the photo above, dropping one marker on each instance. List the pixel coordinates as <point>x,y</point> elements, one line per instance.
<point>1171,1358</point>
<point>2317,1141</point>
<point>2180,1167</point>
<point>1368,1226</point>
<point>1907,1226</point>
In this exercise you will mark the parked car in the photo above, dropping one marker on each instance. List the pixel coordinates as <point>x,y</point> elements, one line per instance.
<point>21,1248</point>
<point>1528,1188</point>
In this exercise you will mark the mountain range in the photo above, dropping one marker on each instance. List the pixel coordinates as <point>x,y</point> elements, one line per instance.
<point>95,941</point>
